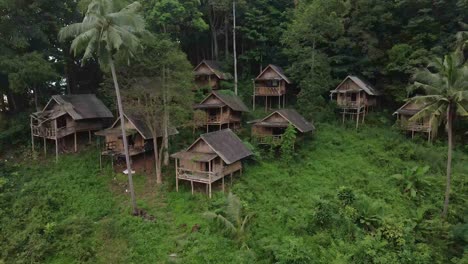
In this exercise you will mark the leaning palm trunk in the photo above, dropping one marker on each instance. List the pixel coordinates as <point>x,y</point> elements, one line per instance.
<point>449,162</point>
<point>166,119</point>
<point>124,138</point>
<point>157,158</point>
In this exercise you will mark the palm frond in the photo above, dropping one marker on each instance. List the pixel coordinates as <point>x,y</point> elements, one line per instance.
<point>82,40</point>
<point>90,49</point>
<point>462,110</point>
<point>230,228</point>
<point>74,30</point>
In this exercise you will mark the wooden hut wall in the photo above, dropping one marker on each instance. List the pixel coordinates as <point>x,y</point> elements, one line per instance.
<point>261,130</point>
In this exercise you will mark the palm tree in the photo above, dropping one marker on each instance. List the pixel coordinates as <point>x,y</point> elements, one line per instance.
<point>104,32</point>
<point>234,221</point>
<point>446,97</point>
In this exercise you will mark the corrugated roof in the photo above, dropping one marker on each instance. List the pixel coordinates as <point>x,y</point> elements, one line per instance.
<point>230,99</point>
<point>291,115</point>
<point>81,106</point>
<point>216,68</point>
<point>227,145</point>
<point>365,86</point>
<point>278,70</point>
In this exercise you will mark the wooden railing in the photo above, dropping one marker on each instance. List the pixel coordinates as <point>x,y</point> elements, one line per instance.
<point>47,132</point>
<point>268,139</point>
<point>111,145</point>
<point>272,91</point>
<point>197,175</point>
<point>416,127</point>
<point>213,119</point>
<point>351,104</point>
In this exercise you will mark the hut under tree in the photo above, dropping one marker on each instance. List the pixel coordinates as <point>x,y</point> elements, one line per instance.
<point>139,138</point>
<point>271,84</point>
<point>422,125</point>
<point>223,110</point>
<point>355,97</point>
<point>270,129</point>
<point>69,115</point>
<point>210,158</point>
<point>209,73</point>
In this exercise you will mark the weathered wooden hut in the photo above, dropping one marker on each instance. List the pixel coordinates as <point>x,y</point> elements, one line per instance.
<point>355,97</point>
<point>270,129</point>
<point>407,111</point>
<point>69,115</point>
<point>139,138</point>
<point>209,74</point>
<point>223,110</point>
<point>271,84</point>
<point>210,158</point>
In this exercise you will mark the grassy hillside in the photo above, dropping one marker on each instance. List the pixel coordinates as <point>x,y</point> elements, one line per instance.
<point>337,203</point>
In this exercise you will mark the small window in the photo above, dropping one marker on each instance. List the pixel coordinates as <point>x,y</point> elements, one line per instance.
<point>273,83</point>
<point>353,97</point>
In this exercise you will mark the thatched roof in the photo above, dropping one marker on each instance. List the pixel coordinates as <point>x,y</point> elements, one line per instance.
<point>78,106</point>
<point>224,143</point>
<point>228,98</point>
<point>363,85</point>
<point>216,68</point>
<point>404,110</point>
<point>291,116</point>
<point>276,69</point>
<point>140,126</point>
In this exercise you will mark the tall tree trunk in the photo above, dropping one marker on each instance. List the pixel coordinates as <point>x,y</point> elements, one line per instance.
<point>124,138</point>
<point>166,117</point>
<point>226,36</point>
<point>449,161</point>
<point>215,43</point>
<point>157,160</point>
<point>234,44</point>
<point>36,104</point>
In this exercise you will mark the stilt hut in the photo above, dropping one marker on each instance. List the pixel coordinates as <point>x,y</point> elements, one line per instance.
<point>210,158</point>
<point>270,129</point>
<point>354,97</point>
<point>407,111</point>
<point>209,74</point>
<point>223,110</point>
<point>69,115</point>
<point>271,84</point>
<point>139,138</point>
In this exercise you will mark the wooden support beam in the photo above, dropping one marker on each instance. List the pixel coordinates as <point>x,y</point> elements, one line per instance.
<point>76,148</point>
<point>210,189</point>
<point>223,184</point>
<point>89,136</point>
<point>45,147</point>
<point>177,176</point>
<point>56,141</point>
<point>191,183</point>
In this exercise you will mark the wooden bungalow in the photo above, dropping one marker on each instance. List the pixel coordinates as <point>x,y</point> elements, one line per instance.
<point>354,97</point>
<point>223,110</point>
<point>271,84</point>
<point>270,129</point>
<point>209,74</point>
<point>408,110</point>
<point>210,158</point>
<point>139,138</point>
<point>69,115</point>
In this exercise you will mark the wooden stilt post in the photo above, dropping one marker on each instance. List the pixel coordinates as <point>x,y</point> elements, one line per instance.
<point>100,161</point>
<point>210,190</point>
<point>357,117</point>
<point>56,141</point>
<point>284,100</point>
<point>231,179</point>
<point>75,143</point>
<point>177,176</point>
<point>89,136</point>
<point>279,102</point>
<point>32,135</point>
<point>45,147</point>
<point>191,183</point>
<point>266,103</point>
<point>412,134</point>
<point>223,184</point>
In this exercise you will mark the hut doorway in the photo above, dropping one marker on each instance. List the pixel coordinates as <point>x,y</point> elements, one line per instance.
<point>61,122</point>
<point>276,131</point>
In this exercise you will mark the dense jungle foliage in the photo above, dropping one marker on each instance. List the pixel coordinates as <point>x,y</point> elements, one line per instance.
<point>342,195</point>
<point>371,196</point>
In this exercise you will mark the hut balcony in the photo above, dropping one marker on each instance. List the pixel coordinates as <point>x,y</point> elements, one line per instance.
<point>268,139</point>
<point>416,126</point>
<point>206,81</point>
<point>264,90</point>
<point>222,119</point>
<point>351,104</point>
<point>52,133</point>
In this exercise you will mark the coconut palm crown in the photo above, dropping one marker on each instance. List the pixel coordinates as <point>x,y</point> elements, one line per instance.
<point>105,31</point>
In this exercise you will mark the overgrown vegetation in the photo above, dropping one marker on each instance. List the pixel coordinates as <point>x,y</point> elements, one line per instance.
<point>337,202</point>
